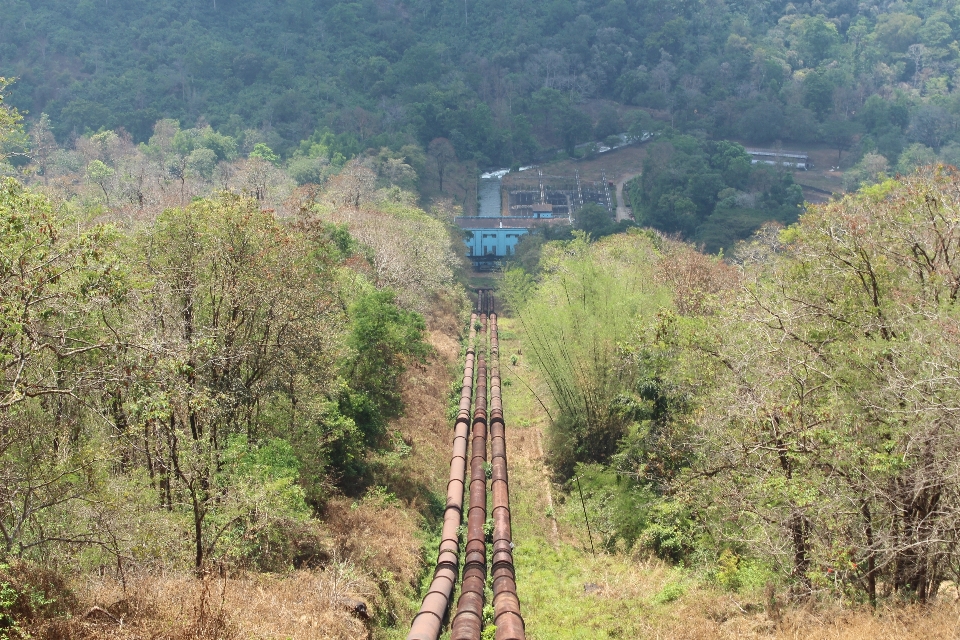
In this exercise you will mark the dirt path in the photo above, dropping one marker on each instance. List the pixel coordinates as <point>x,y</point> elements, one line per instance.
<point>610,165</point>
<point>623,211</point>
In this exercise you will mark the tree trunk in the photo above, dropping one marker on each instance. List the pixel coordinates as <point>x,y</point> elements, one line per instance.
<point>871,575</point>
<point>197,529</point>
<point>799,531</point>
<point>196,501</point>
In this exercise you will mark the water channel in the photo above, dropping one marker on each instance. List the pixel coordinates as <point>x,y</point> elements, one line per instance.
<point>488,192</point>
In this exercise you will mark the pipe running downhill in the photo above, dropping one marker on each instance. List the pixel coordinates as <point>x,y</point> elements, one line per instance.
<point>488,420</point>
<point>506,603</point>
<point>429,621</point>
<point>468,622</point>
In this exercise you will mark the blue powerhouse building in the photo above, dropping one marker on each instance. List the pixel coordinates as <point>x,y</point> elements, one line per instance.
<point>495,237</point>
<point>489,240</point>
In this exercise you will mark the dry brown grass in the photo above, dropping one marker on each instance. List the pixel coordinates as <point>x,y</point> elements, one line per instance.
<point>306,604</point>
<point>372,561</point>
<point>727,618</point>
<point>425,426</point>
<point>370,553</point>
<point>380,541</point>
<point>613,164</point>
<point>705,612</point>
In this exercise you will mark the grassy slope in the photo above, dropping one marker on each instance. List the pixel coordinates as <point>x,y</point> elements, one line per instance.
<point>567,593</point>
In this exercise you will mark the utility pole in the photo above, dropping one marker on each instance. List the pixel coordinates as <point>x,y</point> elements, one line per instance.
<point>579,197</point>
<point>585,519</point>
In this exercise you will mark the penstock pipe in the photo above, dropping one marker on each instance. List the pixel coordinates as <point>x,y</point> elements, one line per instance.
<point>506,602</point>
<point>468,622</point>
<point>428,622</point>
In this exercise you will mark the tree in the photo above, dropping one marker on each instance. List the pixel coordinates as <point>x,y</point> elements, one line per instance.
<point>100,174</point>
<point>608,124</point>
<point>642,126</point>
<point>352,186</point>
<point>841,134</point>
<point>201,162</point>
<point>897,31</point>
<point>443,155</point>
<point>594,220</point>
<point>815,39</point>
<point>382,339</point>
<point>915,156</point>
<point>60,286</point>
<point>262,151</point>
<point>236,311</point>
<point>418,272</point>
<point>818,93</point>
<point>763,123</point>
<point>831,437</point>
<point>42,144</point>
<point>871,169</point>
<point>10,120</point>
<point>574,127</point>
<point>162,141</point>
<point>547,105</point>
<point>930,124</point>
<point>523,143</point>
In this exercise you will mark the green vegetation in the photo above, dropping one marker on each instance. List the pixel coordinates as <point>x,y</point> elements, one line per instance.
<point>785,422</point>
<point>567,591</point>
<point>215,274</point>
<point>190,389</point>
<point>431,88</point>
<point>575,324</point>
<point>709,192</point>
<point>499,81</point>
<point>847,407</point>
<point>233,388</point>
<point>622,410</point>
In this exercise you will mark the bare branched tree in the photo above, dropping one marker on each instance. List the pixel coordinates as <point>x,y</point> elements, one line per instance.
<point>833,437</point>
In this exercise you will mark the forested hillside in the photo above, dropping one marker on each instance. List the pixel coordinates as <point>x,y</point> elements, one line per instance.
<point>232,296</point>
<point>785,420</point>
<point>207,374</point>
<point>500,80</point>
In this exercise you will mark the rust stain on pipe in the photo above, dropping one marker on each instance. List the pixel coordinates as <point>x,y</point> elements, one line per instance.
<point>487,424</point>
<point>506,602</point>
<point>468,622</point>
<point>429,621</point>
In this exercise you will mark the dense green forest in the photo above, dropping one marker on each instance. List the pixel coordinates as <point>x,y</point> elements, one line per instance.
<point>709,192</point>
<point>500,80</point>
<point>309,86</point>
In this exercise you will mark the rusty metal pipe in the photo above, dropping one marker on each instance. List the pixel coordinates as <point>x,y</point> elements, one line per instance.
<point>506,603</point>
<point>487,424</point>
<point>468,621</point>
<point>428,623</point>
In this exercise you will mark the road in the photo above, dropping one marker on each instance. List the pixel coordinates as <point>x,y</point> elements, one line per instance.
<point>623,211</point>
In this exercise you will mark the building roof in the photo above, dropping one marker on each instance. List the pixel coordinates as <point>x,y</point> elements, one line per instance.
<point>775,153</point>
<point>511,222</point>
